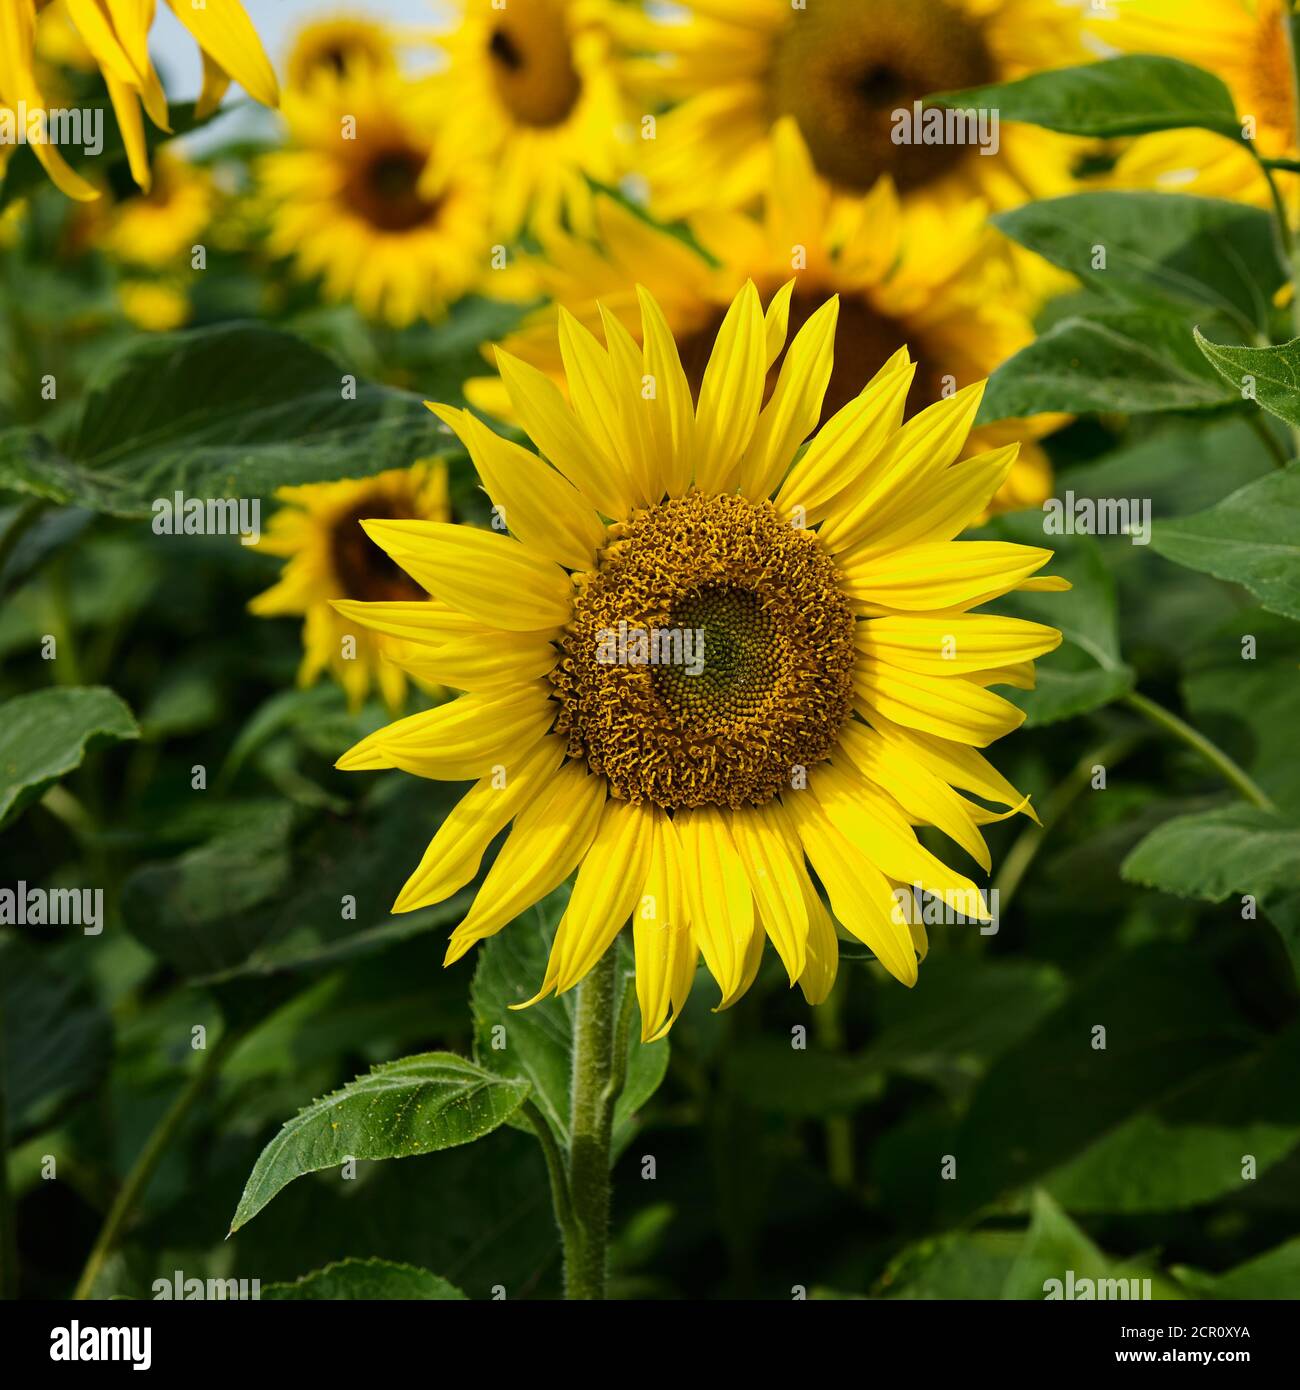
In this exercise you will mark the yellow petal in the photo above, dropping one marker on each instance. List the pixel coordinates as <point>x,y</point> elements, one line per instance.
<point>955,644</point>
<point>490,577</point>
<point>769,850</point>
<point>951,708</point>
<point>730,394</point>
<point>818,978</point>
<point>666,953</point>
<point>721,907</point>
<point>462,739</point>
<point>672,412</point>
<point>481,662</point>
<point>796,404</point>
<point>949,574</point>
<point>455,852</point>
<point>223,31</point>
<point>557,432</point>
<point>607,889</point>
<point>537,504</point>
<point>550,836</point>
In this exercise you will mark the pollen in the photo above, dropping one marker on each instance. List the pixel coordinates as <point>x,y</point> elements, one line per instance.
<point>773,687</point>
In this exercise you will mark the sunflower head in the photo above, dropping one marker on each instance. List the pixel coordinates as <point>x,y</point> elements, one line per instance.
<point>723,663</point>
<point>332,50</point>
<point>369,197</point>
<point>332,564</point>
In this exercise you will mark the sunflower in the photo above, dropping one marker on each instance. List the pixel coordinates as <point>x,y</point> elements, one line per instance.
<point>840,68</point>
<point>156,306</point>
<point>117,36</point>
<point>334,568</point>
<point>937,282</point>
<point>337,48</point>
<point>159,227</point>
<point>367,197</point>
<point>532,89</point>
<point>1242,41</point>
<point>844,687</point>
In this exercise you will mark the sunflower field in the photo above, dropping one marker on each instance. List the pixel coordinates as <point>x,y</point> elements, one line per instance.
<point>761,535</point>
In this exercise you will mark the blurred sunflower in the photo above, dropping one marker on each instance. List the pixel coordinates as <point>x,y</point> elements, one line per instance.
<point>366,197</point>
<point>845,681</point>
<point>337,48</point>
<point>332,563</point>
<point>938,282</point>
<point>1242,41</point>
<point>531,88</point>
<point>840,68</point>
<point>159,227</point>
<point>156,306</point>
<point>117,36</point>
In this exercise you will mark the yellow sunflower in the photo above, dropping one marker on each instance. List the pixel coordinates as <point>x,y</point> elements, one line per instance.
<point>368,197</point>
<point>531,88</point>
<point>841,691</point>
<point>117,35</point>
<point>1242,41</point>
<point>939,283</point>
<point>840,68</point>
<point>332,565</point>
<point>156,306</point>
<point>161,226</point>
<point>337,48</point>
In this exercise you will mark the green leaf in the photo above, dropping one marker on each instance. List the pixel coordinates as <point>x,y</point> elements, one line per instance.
<point>418,1105</point>
<point>365,1279</point>
<point>1274,373</point>
<point>1219,854</point>
<point>1252,538</point>
<point>1188,1149</point>
<point>231,411</point>
<point>774,1077</point>
<point>1167,1018</point>
<point>1274,1274</point>
<point>536,1044</point>
<point>57,1040</point>
<point>1129,95</point>
<point>1132,361</point>
<point>46,734</point>
<point>1086,671</point>
<point>1189,252</point>
<point>1055,1248</point>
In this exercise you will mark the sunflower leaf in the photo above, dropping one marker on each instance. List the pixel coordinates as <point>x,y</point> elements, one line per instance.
<point>47,733</point>
<point>231,411</point>
<point>1252,538</point>
<point>1132,361</point>
<point>418,1105</point>
<point>1158,247</point>
<point>1129,95</point>
<point>1219,854</point>
<point>365,1279</point>
<point>1271,375</point>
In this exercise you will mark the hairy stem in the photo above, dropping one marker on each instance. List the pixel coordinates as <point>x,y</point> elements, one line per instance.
<point>595,1083</point>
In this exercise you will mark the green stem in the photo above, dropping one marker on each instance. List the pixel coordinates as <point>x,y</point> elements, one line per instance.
<point>554,1168</point>
<point>1030,840</point>
<point>1261,427</point>
<point>8,1228</point>
<point>595,1079</point>
<point>828,1022</point>
<point>146,1163</point>
<point>1235,776</point>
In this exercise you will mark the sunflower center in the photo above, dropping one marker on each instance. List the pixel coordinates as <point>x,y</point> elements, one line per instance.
<point>361,569</point>
<point>532,64</point>
<point>709,656</point>
<point>842,68</point>
<point>385,190</point>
